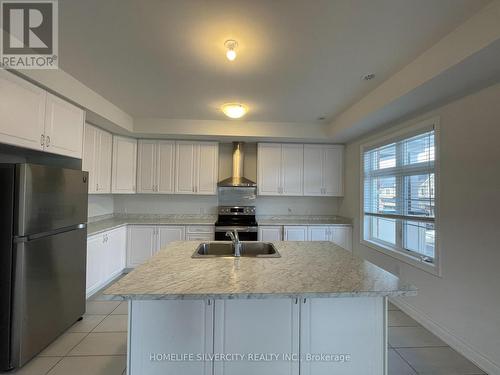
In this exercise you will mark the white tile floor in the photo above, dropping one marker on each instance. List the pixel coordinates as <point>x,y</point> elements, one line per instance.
<point>97,345</point>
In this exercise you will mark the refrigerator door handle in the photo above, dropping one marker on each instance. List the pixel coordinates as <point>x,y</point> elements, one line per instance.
<point>20,239</point>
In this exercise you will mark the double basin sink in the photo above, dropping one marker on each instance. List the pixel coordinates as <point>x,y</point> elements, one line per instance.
<point>226,249</point>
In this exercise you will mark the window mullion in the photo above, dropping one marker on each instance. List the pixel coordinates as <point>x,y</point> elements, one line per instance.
<point>399,195</point>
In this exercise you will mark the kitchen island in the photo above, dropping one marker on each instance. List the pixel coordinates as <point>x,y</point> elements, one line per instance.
<point>317,308</point>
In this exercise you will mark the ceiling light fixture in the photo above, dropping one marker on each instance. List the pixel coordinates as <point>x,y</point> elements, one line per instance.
<point>231,46</point>
<point>234,110</point>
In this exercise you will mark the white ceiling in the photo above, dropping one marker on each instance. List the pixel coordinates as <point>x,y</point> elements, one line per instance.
<point>297,61</point>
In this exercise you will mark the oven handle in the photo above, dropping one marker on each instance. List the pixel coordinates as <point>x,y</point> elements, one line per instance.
<point>239,229</point>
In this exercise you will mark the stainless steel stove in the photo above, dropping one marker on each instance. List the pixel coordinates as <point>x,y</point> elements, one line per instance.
<point>237,196</point>
<point>241,218</point>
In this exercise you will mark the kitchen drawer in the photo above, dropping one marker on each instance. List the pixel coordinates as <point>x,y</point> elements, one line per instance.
<point>200,229</point>
<point>200,237</point>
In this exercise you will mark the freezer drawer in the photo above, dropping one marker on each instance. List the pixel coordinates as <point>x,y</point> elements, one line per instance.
<point>49,198</point>
<point>49,290</point>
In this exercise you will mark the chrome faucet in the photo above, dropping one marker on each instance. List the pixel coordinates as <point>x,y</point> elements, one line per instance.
<point>233,235</point>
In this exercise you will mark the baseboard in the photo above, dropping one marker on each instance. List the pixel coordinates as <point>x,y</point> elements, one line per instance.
<point>89,293</point>
<point>484,363</point>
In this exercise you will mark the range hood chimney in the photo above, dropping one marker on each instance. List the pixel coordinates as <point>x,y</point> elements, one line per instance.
<point>237,179</point>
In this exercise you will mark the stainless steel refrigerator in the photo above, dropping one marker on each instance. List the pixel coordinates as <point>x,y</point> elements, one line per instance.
<point>43,239</point>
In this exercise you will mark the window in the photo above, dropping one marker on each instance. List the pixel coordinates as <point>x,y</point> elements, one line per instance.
<point>399,195</point>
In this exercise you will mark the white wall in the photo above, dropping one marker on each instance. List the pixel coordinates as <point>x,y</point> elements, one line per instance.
<point>189,204</point>
<point>100,205</point>
<point>462,306</point>
<point>165,204</point>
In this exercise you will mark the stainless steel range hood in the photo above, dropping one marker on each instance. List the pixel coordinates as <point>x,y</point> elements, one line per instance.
<point>237,179</point>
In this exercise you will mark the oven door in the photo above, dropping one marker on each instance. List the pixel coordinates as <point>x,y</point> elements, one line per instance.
<point>244,233</point>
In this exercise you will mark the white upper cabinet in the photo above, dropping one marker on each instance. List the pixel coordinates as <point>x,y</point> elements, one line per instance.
<point>155,172</point>
<point>146,166</point>
<point>196,167</point>
<point>333,173</point>
<point>97,152</point>
<point>165,167</point>
<point>185,159</point>
<point>280,169</point>
<point>313,169</point>
<point>269,169</point>
<point>89,159</point>
<point>323,170</point>
<point>63,127</point>
<point>124,165</point>
<point>32,118</point>
<point>22,112</point>
<point>207,168</point>
<point>104,160</point>
<point>292,167</point>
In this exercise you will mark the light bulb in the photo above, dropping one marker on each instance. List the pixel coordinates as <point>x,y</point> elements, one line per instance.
<point>234,110</point>
<point>231,46</point>
<point>231,54</point>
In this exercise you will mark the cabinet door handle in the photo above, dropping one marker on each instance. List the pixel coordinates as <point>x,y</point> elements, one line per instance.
<point>47,139</point>
<point>97,187</point>
<point>42,140</point>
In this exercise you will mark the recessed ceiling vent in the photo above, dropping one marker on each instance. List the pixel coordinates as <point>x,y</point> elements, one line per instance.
<point>237,179</point>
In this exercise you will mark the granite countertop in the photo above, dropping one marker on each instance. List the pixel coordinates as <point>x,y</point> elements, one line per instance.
<point>303,220</point>
<point>305,269</point>
<point>99,226</point>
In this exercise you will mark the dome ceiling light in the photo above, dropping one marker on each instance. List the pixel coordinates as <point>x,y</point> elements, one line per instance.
<point>231,46</point>
<point>234,110</point>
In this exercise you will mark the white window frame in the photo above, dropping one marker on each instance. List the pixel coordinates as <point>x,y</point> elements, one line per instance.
<point>406,132</point>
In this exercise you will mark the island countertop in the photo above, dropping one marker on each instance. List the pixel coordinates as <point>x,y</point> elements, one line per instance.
<point>305,269</point>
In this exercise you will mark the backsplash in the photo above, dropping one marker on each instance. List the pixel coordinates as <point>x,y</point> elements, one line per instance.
<point>206,205</point>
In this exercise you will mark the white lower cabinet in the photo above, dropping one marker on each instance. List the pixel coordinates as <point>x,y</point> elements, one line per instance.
<point>200,233</point>
<point>94,263</point>
<point>277,336</point>
<point>169,233</point>
<point>270,233</point>
<point>342,236</point>
<point>318,233</point>
<point>141,244</point>
<point>263,326</point>
<point>144,241</point>
<point>339,234</point>
<point>295,233</point>
<point>105,258</point>
<point>352,327</point>
<point>164,327</point>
